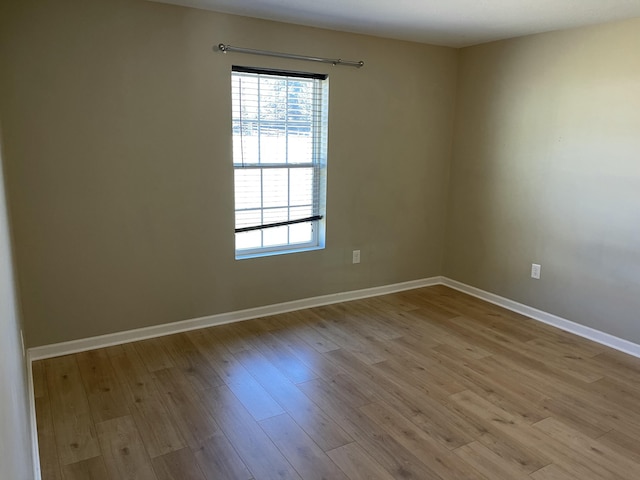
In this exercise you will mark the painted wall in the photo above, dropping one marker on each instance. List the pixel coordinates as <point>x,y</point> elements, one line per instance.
<point>15,440</point>
<point>118,150</point>
<point>546,169</point>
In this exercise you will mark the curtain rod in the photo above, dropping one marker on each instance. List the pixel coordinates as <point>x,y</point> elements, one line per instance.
<point>334,61</point>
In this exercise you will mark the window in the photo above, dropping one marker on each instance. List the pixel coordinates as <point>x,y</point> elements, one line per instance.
<point>279,158</point>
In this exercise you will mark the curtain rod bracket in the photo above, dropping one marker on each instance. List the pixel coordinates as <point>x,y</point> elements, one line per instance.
<point>333,61</point>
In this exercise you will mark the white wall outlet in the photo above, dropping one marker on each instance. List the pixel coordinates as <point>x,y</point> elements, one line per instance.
<point>356,256</point>
<point>535,271</point>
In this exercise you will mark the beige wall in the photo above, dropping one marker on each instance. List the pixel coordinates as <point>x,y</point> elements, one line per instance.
<point>118,151</point>
<point>15,444</point>
<point>546,169</point>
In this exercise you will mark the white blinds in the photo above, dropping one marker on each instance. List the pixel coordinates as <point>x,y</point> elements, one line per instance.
<point>279,150</point>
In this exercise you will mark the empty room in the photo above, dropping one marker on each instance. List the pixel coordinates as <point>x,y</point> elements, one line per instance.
<point>343,240</point>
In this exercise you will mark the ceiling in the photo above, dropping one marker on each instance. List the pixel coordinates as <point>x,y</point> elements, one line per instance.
<point>454,23</point>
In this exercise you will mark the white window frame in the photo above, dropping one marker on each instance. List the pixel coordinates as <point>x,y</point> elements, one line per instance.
<point>247,159</point>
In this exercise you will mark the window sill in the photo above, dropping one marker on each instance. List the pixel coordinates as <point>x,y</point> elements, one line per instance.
<point>278,252</point>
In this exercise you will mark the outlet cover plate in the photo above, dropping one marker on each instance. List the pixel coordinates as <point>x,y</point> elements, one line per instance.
<point>535,271</point>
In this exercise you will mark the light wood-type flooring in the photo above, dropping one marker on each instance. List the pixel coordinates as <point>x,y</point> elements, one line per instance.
<point>423,384</point>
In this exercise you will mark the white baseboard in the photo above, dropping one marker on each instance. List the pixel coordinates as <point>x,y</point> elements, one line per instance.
<point>35,451</point>
<point>84,344</point>
<point>562,323</point>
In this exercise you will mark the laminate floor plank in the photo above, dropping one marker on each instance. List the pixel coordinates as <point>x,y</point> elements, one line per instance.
<point>49,460</point>
<point>360,320</point>
<point>372,320</point>
<point>105,394</point>
<point>481,381</point>
<point>396,302</point>
<point>177,465</point>
<point>252,395</point>
<point>491,317</point>
<point>607,457</point>
<point>91,469</point>
<point>283,358</point>
<point>390,454</point>
<point>234,337</point>
<point>573,366</point>
<point>220,461</point>
<point>304,328</point>
<point>591,425</point>
<point>553,449</point>
<point>420,366</point>
<point>303,453</point>
<point>513,452</point>
<point>576,396</point>
<point>623,393</point>
<point>357,464</point>
<point>409,323</point>
<point>122,450</point>
<point>520,357</point>
<point>332,324</point>
<point>461,349</point>
<point>627,445</point>
<point>419,380</point>
<point>410,401</point>
<point>74,428</point>
<point>497,422</point>
<point>190,416</point>
<point>191,362</point>
<point>256,450</point>
<point>562,347</point>
<point>436,456</point>
<point>490,464</point>
<point>153,354</point>
<point>322,429</point>
<point>509,386</point>
<point>307,353</point>
<point>159,433</point>
<point>616,361</point>
<point>554,472</point>
<point>427,331</point>
<point>428,384</point>
<point>436,312</point>
<point>510,380</point>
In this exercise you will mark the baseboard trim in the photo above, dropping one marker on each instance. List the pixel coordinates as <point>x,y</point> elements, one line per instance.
<point>35,449</point>
<point>91,343</point>
<point>562,323</point>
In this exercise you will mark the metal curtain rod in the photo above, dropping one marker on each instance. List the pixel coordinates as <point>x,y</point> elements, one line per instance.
<point>334,61</point>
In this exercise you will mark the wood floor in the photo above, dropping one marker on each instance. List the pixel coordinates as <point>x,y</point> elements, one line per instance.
<point>424,384</point>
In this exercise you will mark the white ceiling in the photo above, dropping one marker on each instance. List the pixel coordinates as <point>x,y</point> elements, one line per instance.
<point>454,23</point>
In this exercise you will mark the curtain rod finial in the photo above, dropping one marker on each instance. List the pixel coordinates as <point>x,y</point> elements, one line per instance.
<point>222,47</point>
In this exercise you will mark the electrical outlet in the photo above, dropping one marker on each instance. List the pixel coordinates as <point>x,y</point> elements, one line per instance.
<point>535,271</point>
<point>356,256</point>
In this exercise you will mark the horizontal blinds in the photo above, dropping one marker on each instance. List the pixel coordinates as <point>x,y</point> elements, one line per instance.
<point>279,147</point>
<point>279,73</point>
